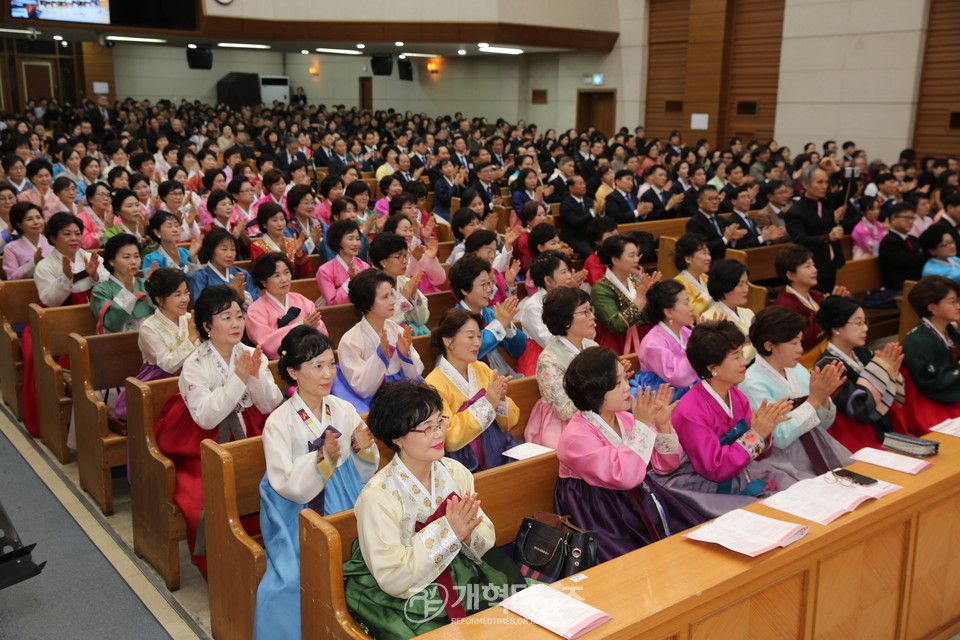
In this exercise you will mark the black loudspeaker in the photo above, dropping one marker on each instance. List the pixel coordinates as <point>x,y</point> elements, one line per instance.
<point>381,65</point>
<point>200,58</point>
<point>405,70</point>
<point>239,89</point>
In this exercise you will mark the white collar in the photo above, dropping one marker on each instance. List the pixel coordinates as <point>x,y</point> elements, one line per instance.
<point>175,262</point>
<point>216,354</point>
<point>807,301</point>
<point>945,339</point>
<point>606,430</point>
<point>468,386</point>
<point>733,313</point>
<point>853,363</point>
<point>678,337</point>
<point>168,321</point>
<point>629,290</point>
<point>786,380</point>
<point>224,277</point>
<point>315,425</point>
<point>282,305</point>
<point>271,243</point>
<point>569,345</point>
<point>696,283</point>
<point>433,472</point>
<point>716,396</point>
<point>343,263</point>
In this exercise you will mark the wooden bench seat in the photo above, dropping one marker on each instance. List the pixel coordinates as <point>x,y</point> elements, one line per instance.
<point>862,277</point>
<point>16,296</point>
<point>908,317</point>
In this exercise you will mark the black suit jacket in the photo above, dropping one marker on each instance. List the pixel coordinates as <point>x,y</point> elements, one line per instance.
<point>615,206</point>
<point>336,165</point>
<point>659,211</point>
<point>900,260</point>
<point>416,162</point>
<point>321,159</point>
<point>487,201</point>
<point>559,189</point>
<point>96,119</point>
<point>574,220</point>
<point>455,159</point>
<point>811,230</point>
<point>749,241</point>
<point>699,223</point>
<point>689,206</point>
<point>281,161</point>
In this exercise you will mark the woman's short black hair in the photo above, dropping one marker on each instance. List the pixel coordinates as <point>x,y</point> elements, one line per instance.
<point>18,212</point>
<point>355,188</point>
<point>328,183</point>
<point>662,296</point>
<point>363,288</point>
<point>92,191</point>
<point>776,325</point>
<point>393,221</point>
<point>338,230</point>
<point>216,198</point>
<point>931,238</point>
<point>541,234</point>
<point>58,222</point>
<point>36,166</point>
<point>156,221</point>
<point>302,344</point>
<point>836,311</point>
<point>119,197</point>
<point>61,183</point>
<point>479,238</point>
<point>559,305</point>
<point>163,283</point>
<point>385,183</point>
<point>449,326</point>
<point>210,175</point>
<point>266,211</point>
<point>113,246</point>
<point>137,178</point>
<point>613,247</point>
<point>710,343</point>
<point>464,271</point>
<point>462,218</point>
<point>789,260</point>
<point>530,209</point>
<point>590,375</point>
<point>544,265</point>
<point>724,277</point>
<point>383,246</point>
<point>212,240</point>
<point>340,205</point>
<point>213,300</point>
<point>598,227</point>
<point>396,204</point>
<point>295,196</point>
<point>266,265</point>
<point>687,245</point>
<point>399,407</point>
<point>930,290</point>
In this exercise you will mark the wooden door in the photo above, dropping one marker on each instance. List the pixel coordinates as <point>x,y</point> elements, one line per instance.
<point>37,79</point>
<point>597,108</point>
<point>366,93</point>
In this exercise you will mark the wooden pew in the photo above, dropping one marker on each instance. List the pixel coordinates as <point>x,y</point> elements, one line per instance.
<point>862,277</point>
<point>306,287</point>
<point>444,249</point>
<point>908,317</point>
<point>50,327</point>
<point>665,249</point>
<point>758,298</point>
<point>759,261</point>
<point>100,362</point>
<point>325,543</point>
<point>675,227</point>
<point>16,296</point>
<point>438,303</point>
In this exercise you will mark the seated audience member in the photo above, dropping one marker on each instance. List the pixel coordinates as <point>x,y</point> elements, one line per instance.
<point>465,221</point>
<point>568,315</point>
<point>484,244</point>
<point>218,251</point>
<point>873,381</point>
<point>620,296</point>
<point>474,395</point>
<point>319,454</point>
<point>175,200</point>
<point>921,204</point>
<point>300,205</point>
<point>729,286</point>
<point>164,232</point>
<point>471,283</point>
<point>8,198</point>
<point>66,191</point>
<point>120,303</point>
<point>621,204</point>
<point>359,192</point>
<point>662,353</point>
<point>716,232</point>
<point>421,258</point>
<point>244,213</point>
<point>274,189</point>
<point>795,266</point>
<point>724,442</point>
<point>29,246</point>
<point>532,214</point>
<point>449,186</point>
<point>390,562</point>
<point>347,209</point>
<point>576,212</point>
<point>272,221</point>
<point>901,257</point>
<point>331,188</point>
<point>128,217</point>
<point>930,357</point>
<point>778,201</point>
<point>213,180</point>
<point>40,176</point>
<point>598,230</point>
<point>802,445</point>
<point>168,336</point>
<point>388,252</point>
<point>604,452</point>
<point>226,393</point>
<point>390,187</point>
<point>333,277</point>
<point>376,349</point>
<point>550,270</point>
<point>278,310</point>
<point>97,216</point>
<point>692,259</point>
<point>941,251</point>
<point>543,237</point>
<point>525,188</point>
<point>867,233</point>
<point>742,199</point>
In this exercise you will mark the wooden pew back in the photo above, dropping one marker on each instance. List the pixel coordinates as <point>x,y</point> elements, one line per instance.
<point>665,249</point>
<point>908,317</point>
<point>16,296</point>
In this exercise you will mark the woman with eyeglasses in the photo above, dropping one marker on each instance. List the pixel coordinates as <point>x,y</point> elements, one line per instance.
<point>388,252</point>
<point>941,250</point>
<point>420,525</point>
<point>873,381</point>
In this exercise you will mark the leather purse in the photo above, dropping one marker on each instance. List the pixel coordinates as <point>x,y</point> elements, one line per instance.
<point>550,547</point>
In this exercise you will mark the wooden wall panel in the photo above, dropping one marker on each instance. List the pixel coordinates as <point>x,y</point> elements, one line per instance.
<point>939,94</point>
<point>706,71</point>
<point>774,612</point>
<point>935,594</point>
<point>666,65</point>
<point>96,64</point>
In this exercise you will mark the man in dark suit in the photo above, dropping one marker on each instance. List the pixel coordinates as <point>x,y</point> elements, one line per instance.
<point>418,155</point>
<point>620,203</point>
<point>338,161</point>
<point>901,257</point>
<point>460,155</point>
<point>742,198</point>
<point>950,220</point>
<point>664,205</point>
<point>404,171</point>
<point>698,178</point>
<point>813,222</point>
<point>707,223</point>
<point>565,170</point>
<point>489,192</point>
<point>323,156</point>
<point>575,215</point>
<point>292,153</point>
<point>103,118</point>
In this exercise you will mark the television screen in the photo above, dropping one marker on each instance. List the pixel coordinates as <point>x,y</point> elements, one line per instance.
<point>89,11</point>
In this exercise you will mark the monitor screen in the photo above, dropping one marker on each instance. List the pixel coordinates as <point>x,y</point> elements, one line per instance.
<point>88,11</point>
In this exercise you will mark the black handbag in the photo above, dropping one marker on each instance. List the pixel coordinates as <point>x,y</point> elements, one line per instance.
<point>549,547</point>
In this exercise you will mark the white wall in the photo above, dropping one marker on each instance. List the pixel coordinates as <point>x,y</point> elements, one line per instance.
<point>850,69</point>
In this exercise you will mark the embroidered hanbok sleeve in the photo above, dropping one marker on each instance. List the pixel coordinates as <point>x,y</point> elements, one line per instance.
<point>758,387</point>
<point>709,458</point>
<point>298,478</point>
<point>155,350</point>
<point>607,305</point>
<point>871,396</point>
<point>466,425</point>
<point>550,380</point>
<point>484,536</point>
<point>364,368</point>
<point>209,401</point>
<point>672,365</point>
<point>414,311</point>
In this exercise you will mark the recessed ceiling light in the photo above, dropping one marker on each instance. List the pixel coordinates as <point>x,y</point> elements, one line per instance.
<point>360,45</point>
<point>462,52</point>
<point>398,43</point>
<point>58,38</point>
<point>133,39</point>
<point>242,45</point>
<point>482,45</point>
<point>304,51</point>
<point>505,50</point>
<point>191,46</point>
<point>345,52</point>
<point>64,43</point>
<point>402,56</point>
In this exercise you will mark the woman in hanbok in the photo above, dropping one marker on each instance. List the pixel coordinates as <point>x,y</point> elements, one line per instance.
<point>604,452</point>
<point>663,351</point>
<point>485,244</point>
<point>692,259</point>
<point>376,349</point>
<point>869,231</point>
<point>724,442</point>
<point>422,257</point>
<point>168,336</point>
<point>319,454</point>
<point>873,383</point>
<point>530,215</point>
<point>729,286</point>
<point>8,198</point>
<point>474,395</point>
<point>941,250</point>
<point>549,271</point>
<point>128,217</point>
<point>301,204</point>
<point>347,209</point>
<point>278,310</point>
<point>218,251</point>
<point>121,303</point>
<point>66,275</point>
<point>66,191</point>
<point>40,175</point>
<point>164,232</point>
<point>420,529</point>
<point>471,283</point>
<point>333,277</point>
<point>931,352</point>
<point>273,222</point>
<point>175,200</point>
<point>620,296</point>
<point>388,252</point>
<point>802,445</point>
<point>226,393</point>
<point>274,189</point>
<point>29,246</point>
<point>568,315</point>
<point>464,222</point>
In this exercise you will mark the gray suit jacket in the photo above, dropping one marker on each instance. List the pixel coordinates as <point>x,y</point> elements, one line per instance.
<point>768,216</point>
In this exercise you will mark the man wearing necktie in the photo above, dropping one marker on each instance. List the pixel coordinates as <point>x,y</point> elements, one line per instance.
<point>664,205</point>
<point>742,198</point>
<point>900,257</point>
<point>814,223</point>
<point>575,216</point>
<point>485,177</point>
<point>715,230</point>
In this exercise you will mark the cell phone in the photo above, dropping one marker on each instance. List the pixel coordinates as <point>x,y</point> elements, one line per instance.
<point>859,478</point>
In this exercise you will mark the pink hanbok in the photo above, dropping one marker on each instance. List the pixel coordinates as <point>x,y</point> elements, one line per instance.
<point>333,280</point>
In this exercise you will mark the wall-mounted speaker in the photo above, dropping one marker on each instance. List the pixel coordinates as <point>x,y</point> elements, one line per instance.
<point>381,65</point>
<point>200,58</point>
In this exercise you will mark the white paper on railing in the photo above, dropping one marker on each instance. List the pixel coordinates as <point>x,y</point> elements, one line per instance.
<point>748,533</point>
<point>895,461</point>
<point>822,500</point>
<point>527,450</point>
<point>950,427</point>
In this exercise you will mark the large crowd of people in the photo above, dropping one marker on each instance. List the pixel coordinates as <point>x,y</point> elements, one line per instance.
<point>143,210</point>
